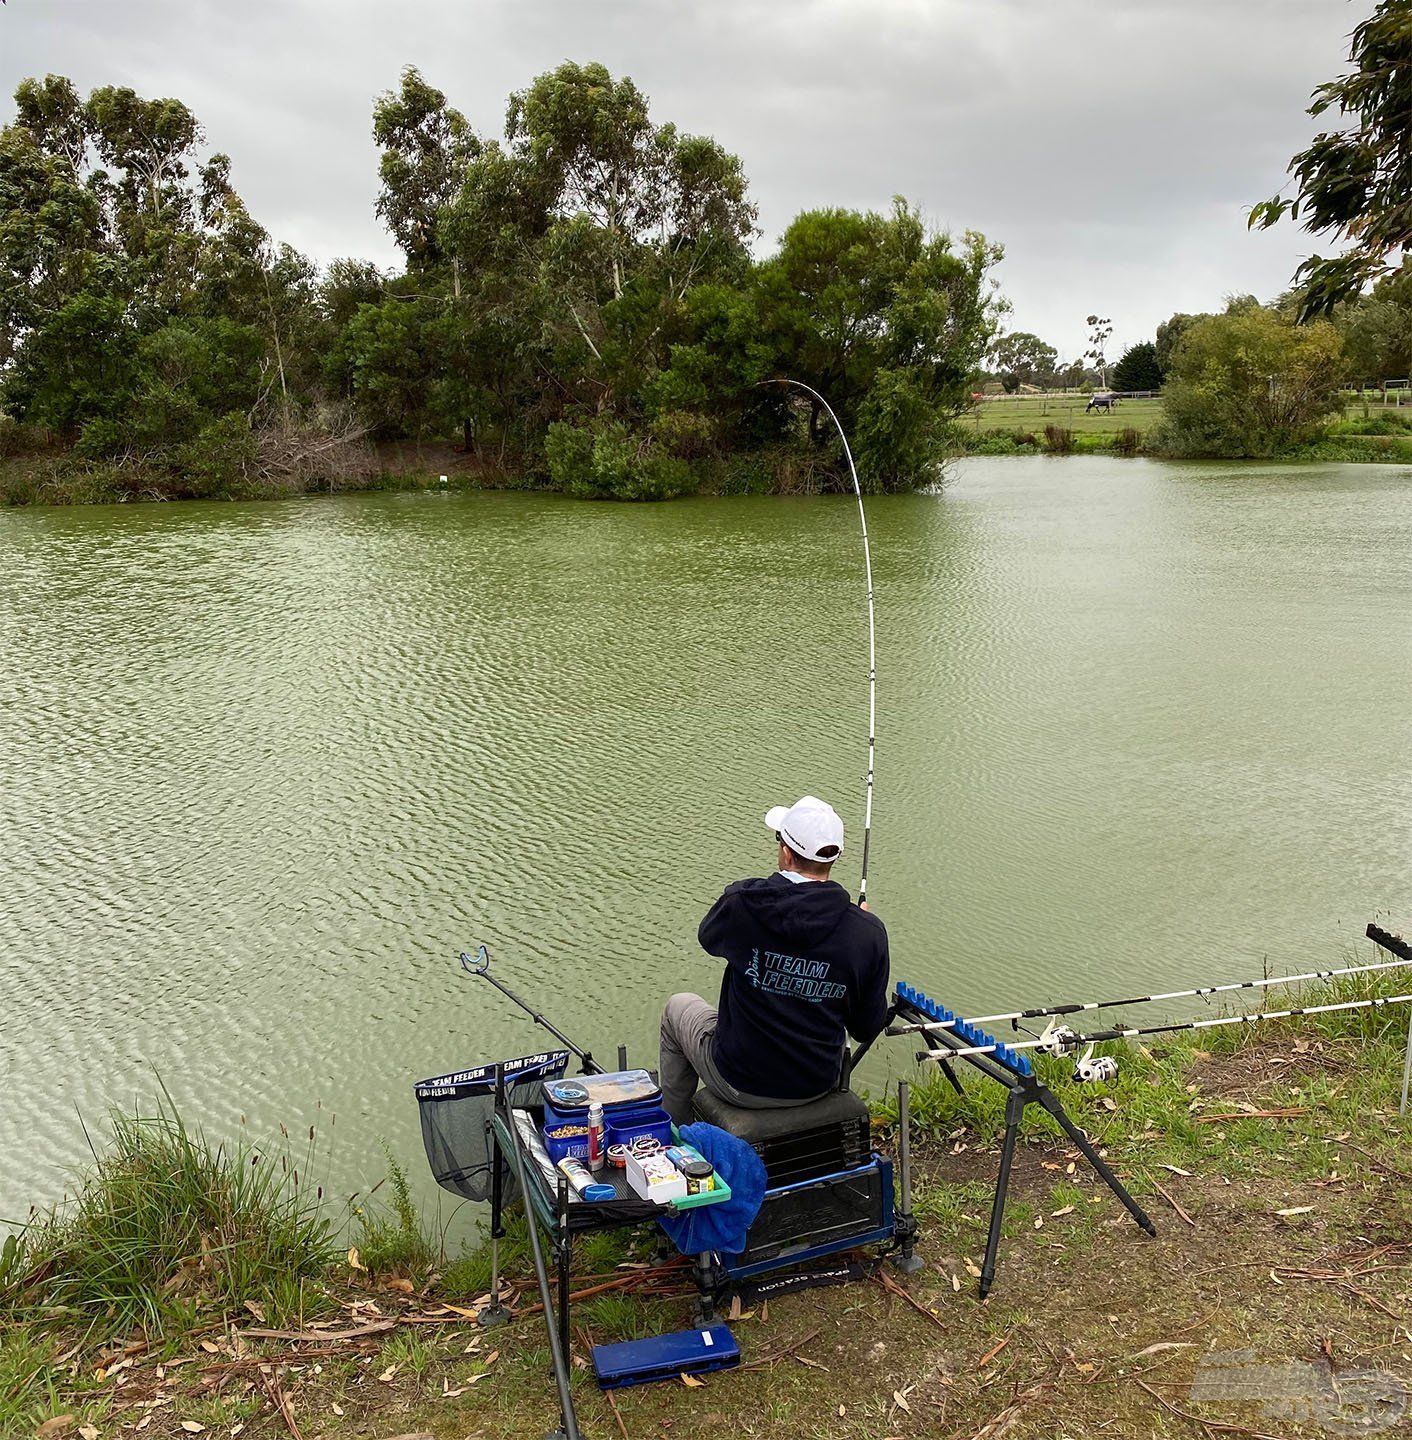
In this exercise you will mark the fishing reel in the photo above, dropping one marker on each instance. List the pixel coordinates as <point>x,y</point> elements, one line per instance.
<point>1095,1069</point>
<point>1058,1039</point>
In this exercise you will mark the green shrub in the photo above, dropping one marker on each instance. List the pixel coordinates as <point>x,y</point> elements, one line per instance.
<point>568,453</point>
<point>1392,422</point>
<point>392,1238</point>
<point>1127,441</point>
<point>1058,440</point>
<point>167,1226</point>
<point>217,463</point>
<point>1249,384</point>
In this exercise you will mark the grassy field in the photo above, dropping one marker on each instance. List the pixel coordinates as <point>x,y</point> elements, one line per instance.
<point>1034,412</point>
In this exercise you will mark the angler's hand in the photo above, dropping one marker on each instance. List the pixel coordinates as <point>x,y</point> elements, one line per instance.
<point>862,904</point>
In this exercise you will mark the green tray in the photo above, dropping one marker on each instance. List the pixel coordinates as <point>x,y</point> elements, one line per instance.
<point>706,1197</point>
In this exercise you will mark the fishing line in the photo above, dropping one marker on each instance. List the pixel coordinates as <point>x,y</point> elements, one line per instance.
<point>872,628</point>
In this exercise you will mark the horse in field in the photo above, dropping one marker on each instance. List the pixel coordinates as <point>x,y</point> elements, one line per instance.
<point>1102,400</point>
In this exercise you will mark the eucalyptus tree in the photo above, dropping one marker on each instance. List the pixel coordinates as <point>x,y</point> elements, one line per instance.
<point>1353,183</point>
<point>116,224</point>
<point>888,319</point>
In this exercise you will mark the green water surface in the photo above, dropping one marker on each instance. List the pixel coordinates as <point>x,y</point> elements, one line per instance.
<point>266,768</point>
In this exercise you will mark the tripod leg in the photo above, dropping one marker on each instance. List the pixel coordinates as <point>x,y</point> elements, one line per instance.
<point>1014,1109</point>
<point>1047,1099</point>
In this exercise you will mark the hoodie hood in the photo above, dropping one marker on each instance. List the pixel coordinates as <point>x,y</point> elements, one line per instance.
<point>801,914</point>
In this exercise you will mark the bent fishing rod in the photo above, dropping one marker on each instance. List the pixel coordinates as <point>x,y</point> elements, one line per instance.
<point>1060,1040</point>
<point>479,966</point>
<point>872,629</point>
<point>1199,992</point>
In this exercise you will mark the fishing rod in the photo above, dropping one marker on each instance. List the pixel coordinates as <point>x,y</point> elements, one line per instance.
<point>479,965</point>
<point>1060,1039</point>
<point>1199,992</point>
<point>872,629</point>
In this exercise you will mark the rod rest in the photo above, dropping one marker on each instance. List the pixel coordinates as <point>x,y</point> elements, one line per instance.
<point>1015,1060</point>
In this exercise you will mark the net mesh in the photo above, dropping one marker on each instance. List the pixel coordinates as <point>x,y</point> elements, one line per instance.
<point>456,1112</point>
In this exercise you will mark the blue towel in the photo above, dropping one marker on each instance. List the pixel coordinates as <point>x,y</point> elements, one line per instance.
<point>722,1226</point>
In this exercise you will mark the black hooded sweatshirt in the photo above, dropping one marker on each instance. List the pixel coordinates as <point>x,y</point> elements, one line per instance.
<point>803,964</point>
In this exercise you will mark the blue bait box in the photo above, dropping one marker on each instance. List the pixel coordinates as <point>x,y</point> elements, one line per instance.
<point>627,1125</point>
<point>664,1357</point>
<point>565,1136</point>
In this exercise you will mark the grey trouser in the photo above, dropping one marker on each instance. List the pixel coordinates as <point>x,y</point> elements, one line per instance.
<point>688,1028</point>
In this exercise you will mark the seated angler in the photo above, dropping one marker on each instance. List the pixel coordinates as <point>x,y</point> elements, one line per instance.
<point>804,965</point>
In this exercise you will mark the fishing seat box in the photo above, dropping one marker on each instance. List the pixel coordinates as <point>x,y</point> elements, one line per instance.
<point>827,1190</point>
<point>797,1142</point>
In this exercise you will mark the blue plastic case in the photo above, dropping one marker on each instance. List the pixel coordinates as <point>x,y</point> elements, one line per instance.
<point>664,1357</point>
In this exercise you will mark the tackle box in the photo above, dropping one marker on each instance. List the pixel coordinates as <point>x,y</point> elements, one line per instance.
<point>664,1357</point>
<point>631,1101</point>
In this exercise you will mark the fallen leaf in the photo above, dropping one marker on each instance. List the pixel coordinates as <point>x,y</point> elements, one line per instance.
<point>1296,1210</point>
<point>192,1427</point>
<point>1177,1170</point>
<point>764,1312</point>
<point>1164,1345</point>
<point>1108,1103</point>
<point>472,1347</point>
<point>812,1364</point>
<point>991,1354</point>
<point>900,1400</point>
<point>956,1282</point>
<point>258,1310</point>
<point>491,1359</point>
<point>143,1423</point>
<point>210,1347</point>
<point>54,1426</point>
<point>1067,1210</point>
<point>735,1308</point>
<point>972,1269</point>
<point>691,1381</point>
<point>404,1287</point>
<point>842,1411</point>
<point>386,1376</point>
<point>1276,1278</point>
<point>337,1409</point>
<point>1039,1222</point>
<point>88,1432</point>
<point>354,1263</point>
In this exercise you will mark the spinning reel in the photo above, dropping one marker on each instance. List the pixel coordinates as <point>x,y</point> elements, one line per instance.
<point>1059,1040</point>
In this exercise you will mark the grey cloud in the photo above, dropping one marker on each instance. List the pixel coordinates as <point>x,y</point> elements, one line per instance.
<point>1111,148</point>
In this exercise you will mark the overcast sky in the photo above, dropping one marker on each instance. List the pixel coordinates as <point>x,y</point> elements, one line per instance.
<point>1110,145</point>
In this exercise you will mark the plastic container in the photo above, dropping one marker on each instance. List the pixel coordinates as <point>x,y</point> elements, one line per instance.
<point>565,1139</point>
<point>624,1126</point>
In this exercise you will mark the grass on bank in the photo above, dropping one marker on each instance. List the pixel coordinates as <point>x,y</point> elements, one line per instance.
<point>1240,1126</point>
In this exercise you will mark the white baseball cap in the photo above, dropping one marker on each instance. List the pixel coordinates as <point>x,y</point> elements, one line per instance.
<point>810,828</point>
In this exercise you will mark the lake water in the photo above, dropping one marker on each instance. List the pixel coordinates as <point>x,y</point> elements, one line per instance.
<point>265,769</point>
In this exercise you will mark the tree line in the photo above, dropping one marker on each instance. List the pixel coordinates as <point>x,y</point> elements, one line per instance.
<point>579,305</point>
